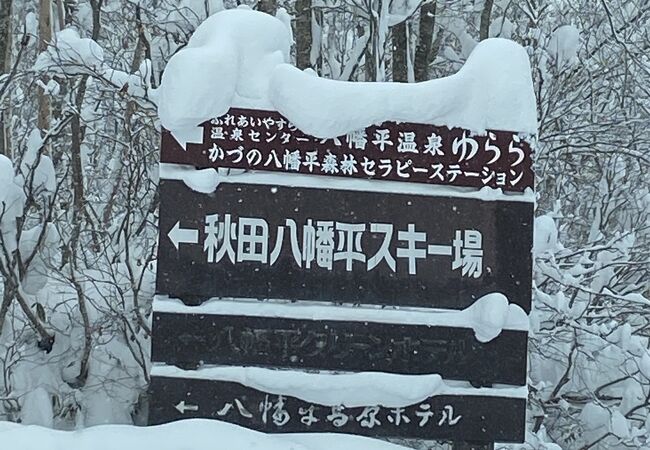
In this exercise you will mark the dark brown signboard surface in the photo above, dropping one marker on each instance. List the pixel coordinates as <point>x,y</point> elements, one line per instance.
<point>265,140</point>
<point>275,242</point>
<point>454,353</point>
<point>472,418</point>
<point>264,241</point>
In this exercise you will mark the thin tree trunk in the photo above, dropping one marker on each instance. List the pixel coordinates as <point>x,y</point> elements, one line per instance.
<point>303,34</point>
<point>7,299</point>
<point>44,38</point>
<point>138,54</point>
<point>76,140</point>
<point>60,14</point>
<point>78,198</point>
<point>5,35</point>
<point>369,55</point>
<point>316,53</point>
<point>484,30</point>
<point>81,379</point>
<point>79,205</point>
<point>400,47</point>
<point>59,20</point>
<point>424,55</point>
<point>5,67</point>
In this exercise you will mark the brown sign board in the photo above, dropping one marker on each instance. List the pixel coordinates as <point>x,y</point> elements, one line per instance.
<point>409,152</point>
<point>460,418</point>
<point>278,242</point>
<point>185,339</point>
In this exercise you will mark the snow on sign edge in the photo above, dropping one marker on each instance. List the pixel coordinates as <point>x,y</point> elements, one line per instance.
<point>219,69</point>
<point>351,390</point>
<point>207,180</point>
<point>487,317</point>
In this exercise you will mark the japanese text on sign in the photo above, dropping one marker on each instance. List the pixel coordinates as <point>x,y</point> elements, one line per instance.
<point>273,409</point>
<point>355,246</point>
<point>264,140</point>
<point>325,243</point>
<point>453,353</point>
<point>480,418</point>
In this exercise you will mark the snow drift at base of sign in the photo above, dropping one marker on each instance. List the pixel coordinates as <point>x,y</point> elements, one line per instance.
<point>198,434</point>
<point>193,434</point>
<point>239,58</point>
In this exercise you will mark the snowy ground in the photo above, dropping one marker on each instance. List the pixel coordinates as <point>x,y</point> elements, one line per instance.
<point>194,434</point>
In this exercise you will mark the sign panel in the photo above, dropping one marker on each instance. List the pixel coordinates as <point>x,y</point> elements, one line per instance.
<point>471,418</point>
<point>276,242</point>
<point>265,140</point>
<point>266,241</point>
<point>454,353</point>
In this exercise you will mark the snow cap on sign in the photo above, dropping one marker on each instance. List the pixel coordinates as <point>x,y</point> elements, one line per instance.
<point>239,58</point>
<point>493,90</point>
<point>230,55</point>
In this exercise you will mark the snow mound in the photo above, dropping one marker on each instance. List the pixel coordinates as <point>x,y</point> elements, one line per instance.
<point>239,58</point>
<point>563,45</point>
<point>230,55</point>
<point>493,90</point>
<point>69,52</point>
<point>545,235</point>
<point>490,314</point>
<point>44,176</point>
<point>12,203</point>
<point>351,390</point>
<point>195,434</point>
